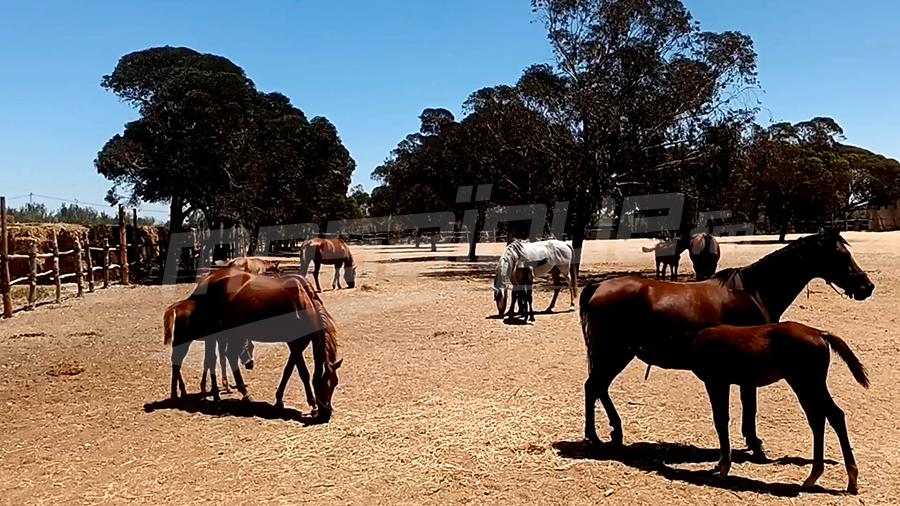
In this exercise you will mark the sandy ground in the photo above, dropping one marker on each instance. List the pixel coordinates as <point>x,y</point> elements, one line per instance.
<point>438,403</point>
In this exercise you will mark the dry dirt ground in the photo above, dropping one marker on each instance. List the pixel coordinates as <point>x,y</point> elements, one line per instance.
<point>438,403</point>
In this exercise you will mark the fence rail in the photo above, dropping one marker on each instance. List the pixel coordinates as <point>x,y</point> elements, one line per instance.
<point>82,254</point>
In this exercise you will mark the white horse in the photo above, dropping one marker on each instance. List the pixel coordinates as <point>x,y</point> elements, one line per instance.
<point>555,257</point>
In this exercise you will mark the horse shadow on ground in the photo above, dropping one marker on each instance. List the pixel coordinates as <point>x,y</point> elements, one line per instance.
<point>656,457</point>
<point>198,403</point>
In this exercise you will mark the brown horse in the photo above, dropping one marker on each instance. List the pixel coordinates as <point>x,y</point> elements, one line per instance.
<point>182,326</point>
<point>668,254</point>
<point>761,355</point>
<point>285,310</point>
<point>705,254</point>
<point>255,265</point>
<point>330,252</point>
<point>631,316</point>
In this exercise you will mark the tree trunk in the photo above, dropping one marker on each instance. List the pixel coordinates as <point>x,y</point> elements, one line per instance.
<point>476,233</point>
<point>579,225</point>
<point>783,232</point>
<point>176,214</point>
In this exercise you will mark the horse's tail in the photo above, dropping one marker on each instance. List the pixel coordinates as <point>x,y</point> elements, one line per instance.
<point>583,306</point>
<point>843,350</point>
<point>169,318</point>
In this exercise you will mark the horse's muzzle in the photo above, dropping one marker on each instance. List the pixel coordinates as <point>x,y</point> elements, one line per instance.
<point>864,292</point>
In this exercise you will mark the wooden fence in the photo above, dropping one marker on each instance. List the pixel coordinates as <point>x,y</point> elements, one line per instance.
<point>81,275</point>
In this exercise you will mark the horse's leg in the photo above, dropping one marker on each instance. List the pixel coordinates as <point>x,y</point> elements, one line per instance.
<point>554,273</point>
<point>336,282</point>
<point>837,420</point>
<point>316,268</point>
<point>179,351</point>
<point>209,364</point>
<point>223,345</point>
<point>307,386</point>
<point>285,376</point>
<point>718,399</point>
<point>748,424</point>
<point>233,352</point>
<point>606,365</point>
<point>811,399</point>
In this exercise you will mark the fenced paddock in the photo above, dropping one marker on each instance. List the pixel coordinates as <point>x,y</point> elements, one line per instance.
<point>86,273</point>
<point>438,402</point>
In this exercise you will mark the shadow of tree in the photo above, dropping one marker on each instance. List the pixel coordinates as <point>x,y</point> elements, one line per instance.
<point>655,457</point>
<point>197,403</point>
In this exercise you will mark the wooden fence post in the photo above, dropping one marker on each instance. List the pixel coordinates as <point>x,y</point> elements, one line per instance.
<point>55,267</point>
<point>105,262</point>
<point>32,276</point>
<point>90,264</point>
<point>123,246</point>
<point>4,262</point>
<point>79,274</point>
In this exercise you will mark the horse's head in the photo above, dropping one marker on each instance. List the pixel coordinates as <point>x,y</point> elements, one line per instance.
<point>324,384</point>
<point>350,276</point>
<point>834,263</point>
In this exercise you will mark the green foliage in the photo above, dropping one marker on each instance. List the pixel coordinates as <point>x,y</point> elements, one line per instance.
<point>69,213</point>
<point>209,142</point>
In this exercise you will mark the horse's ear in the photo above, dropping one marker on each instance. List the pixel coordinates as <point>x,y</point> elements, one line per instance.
<point>337,365</point>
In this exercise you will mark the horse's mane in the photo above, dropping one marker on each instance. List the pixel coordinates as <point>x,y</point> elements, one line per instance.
<point>327,339</point>
<point>742,277</point>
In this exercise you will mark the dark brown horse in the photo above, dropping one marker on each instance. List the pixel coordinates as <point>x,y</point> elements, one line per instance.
<point>705,254</point>
<point>667,254</point>
<point>761,355</point>
<point>236,304</point>
<point>334,252</point>
<point>181,327</point>
<point>631,316</point>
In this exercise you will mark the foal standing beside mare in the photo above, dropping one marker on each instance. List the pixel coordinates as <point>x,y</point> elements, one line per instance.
<point>330,252</point>
<point>761,355</point>
<point>631,316</point>
<point>558,260</point>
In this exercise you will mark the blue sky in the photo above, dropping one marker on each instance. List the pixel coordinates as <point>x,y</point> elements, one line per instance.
<point>371,67</point>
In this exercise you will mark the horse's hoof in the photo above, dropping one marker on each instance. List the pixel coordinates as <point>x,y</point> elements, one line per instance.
<point>247,398</point>
<point>616,439</point>
<point>314,413</point>
<point>279,405</point>
<point>852,489</point>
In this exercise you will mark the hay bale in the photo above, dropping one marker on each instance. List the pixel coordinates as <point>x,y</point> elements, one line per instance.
<point>22,236</point>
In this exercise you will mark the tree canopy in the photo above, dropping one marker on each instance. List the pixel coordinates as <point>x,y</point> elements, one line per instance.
<point>639,100</point>
<point>207,140</point>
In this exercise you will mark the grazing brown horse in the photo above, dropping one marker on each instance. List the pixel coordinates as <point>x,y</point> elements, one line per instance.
<point>631,316</point>
<point>330,252</point>
<point>239,304</point>
<point>761,355</point>
<point>705,254</point>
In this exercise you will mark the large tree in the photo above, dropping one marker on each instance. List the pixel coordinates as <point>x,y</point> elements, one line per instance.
<point>632,79</point>
<point>208,141</point>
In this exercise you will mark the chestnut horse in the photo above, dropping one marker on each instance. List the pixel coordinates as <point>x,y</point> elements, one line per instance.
<point>233,304</point>
<point>726,355</point>
<point>330,252</point>
<point>182,326</point>
<point>631,316</point>
<point>254,265</point>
